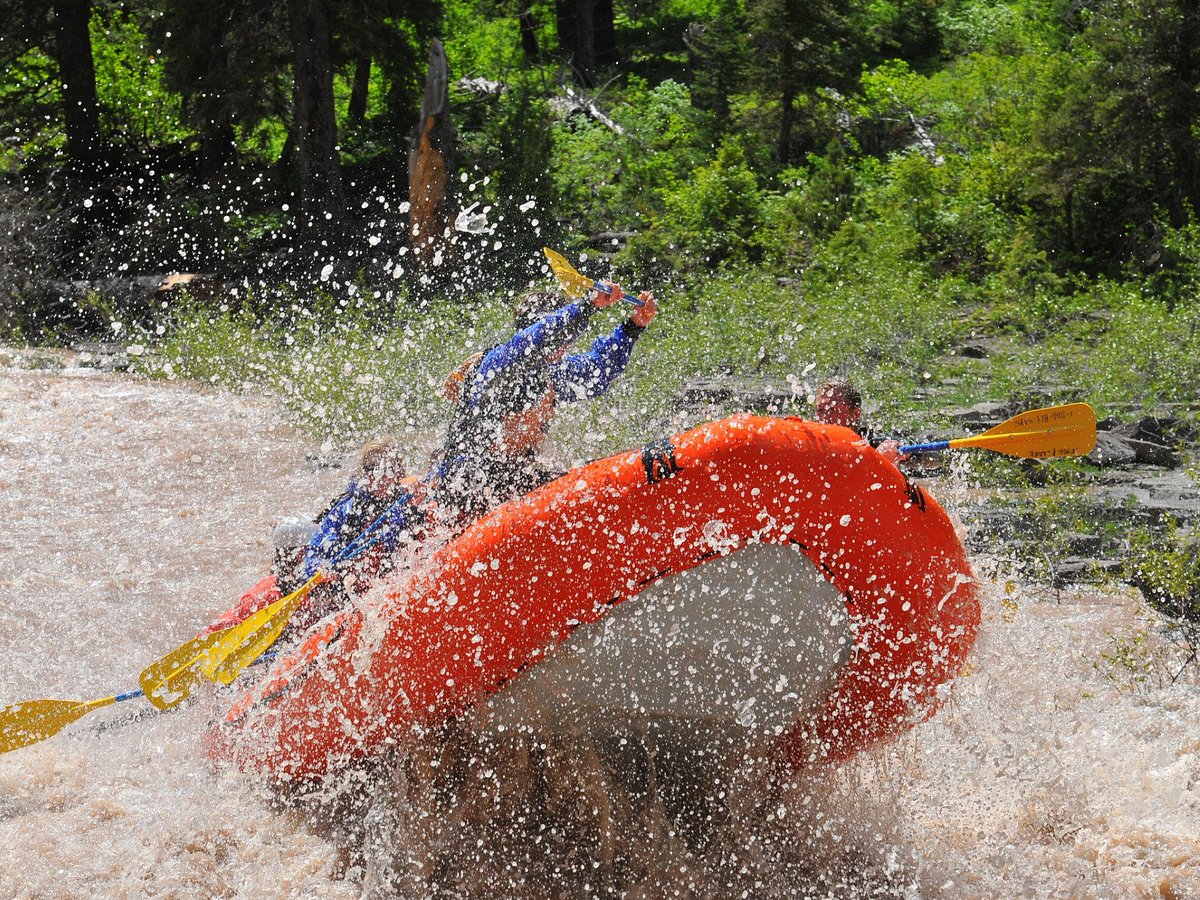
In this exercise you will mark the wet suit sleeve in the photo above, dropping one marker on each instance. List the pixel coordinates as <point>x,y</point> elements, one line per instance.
<point>328,538</point>
<point>543,334</point>
<point>585,375</point>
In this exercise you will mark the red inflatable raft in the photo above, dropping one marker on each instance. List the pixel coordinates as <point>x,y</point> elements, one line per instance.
<point>771,575</point>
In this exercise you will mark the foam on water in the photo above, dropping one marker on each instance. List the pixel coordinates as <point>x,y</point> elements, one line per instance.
<point>134,511</point>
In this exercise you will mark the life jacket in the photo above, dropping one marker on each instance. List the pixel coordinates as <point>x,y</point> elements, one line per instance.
<point>508,420</point>
<point>489,455</point>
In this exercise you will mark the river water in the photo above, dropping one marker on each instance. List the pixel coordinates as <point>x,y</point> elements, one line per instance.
<point>1067,763</point>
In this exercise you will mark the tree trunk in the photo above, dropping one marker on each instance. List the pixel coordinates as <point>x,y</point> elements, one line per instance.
<point>576,37</point>
<point>588,37</point>
<point>786,120</point>
<point>1184,113</point>
<point>604,31</point>
<point>430,212</point>
<point>218,148</point>
<point>1069,206</point>
<point>72,49</point>
<point>529,42</point>
<point>316,128</point>
<point>218,142</point>
<point>787,104</point>
<point>360,90</point>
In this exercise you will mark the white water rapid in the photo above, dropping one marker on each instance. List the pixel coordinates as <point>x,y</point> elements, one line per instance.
<point>133,511</point>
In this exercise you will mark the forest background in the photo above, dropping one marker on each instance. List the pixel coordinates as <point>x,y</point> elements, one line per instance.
<point>858,187</point>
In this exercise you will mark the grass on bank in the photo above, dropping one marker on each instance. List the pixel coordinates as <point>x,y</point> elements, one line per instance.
<point>347,361</point>
<point>345,366</point>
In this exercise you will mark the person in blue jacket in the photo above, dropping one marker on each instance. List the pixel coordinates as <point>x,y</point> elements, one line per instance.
<point>358,534</point>
<point>380,491</point>
<point>506,397</point>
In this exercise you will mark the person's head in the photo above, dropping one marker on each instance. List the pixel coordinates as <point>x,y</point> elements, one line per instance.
<point>289,538</point>
<point>838,402</point>
<point>380,467</point>
<point>531,306</point>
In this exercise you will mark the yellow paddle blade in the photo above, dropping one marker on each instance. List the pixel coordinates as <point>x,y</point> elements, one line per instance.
<point>1054,431</point>
<point>248,640</point>
<point>573,283</point>
<point>168,681</point>
<point>27,723</point>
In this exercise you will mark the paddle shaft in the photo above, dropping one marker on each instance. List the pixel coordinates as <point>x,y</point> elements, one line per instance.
<point>931,447</point>
<point>628,298</point>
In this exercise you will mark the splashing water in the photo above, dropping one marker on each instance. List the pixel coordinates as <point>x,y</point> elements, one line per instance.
<point>136,511</point>
<point>470,222</point>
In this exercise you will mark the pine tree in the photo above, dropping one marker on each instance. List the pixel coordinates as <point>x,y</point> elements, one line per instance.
<point>718,56</point>
<point>228,60</point>
<point>799,47</point>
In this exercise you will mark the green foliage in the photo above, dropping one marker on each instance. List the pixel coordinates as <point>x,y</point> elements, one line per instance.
<point>1133,661</point>
<point>621,180</point>
<point>713,218</point>
<point>509,140</point>
<point>1020,143</point>
<point>208,60</point>
<point>1116,342</point>
<point>137,108</point>
<point>483,40</point>
<point>29,97</point>
<point>1001,29</point>
<point>723,52</point>
<point>1166,566</point>
<point>820,196</point>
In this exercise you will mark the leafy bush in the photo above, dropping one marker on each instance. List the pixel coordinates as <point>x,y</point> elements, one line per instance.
<point>618,182</point>
<point>136,105</point>
<point>711,219</point>
<point>1166,568</point>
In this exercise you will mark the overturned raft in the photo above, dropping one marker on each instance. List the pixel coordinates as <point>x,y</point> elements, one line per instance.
<point>771,576</point>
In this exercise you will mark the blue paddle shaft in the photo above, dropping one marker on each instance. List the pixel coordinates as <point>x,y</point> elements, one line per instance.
<point>138,692</point>
<point>926,448</point>
<point>628,298</point>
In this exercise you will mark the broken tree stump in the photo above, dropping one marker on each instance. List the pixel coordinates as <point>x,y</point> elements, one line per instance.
<point>430,215</point>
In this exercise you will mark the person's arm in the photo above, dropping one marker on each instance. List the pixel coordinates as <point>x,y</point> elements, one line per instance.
<point>889,448</point>
<point>584,375</point>
<point>545,333</point>
<point>328,536</point>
